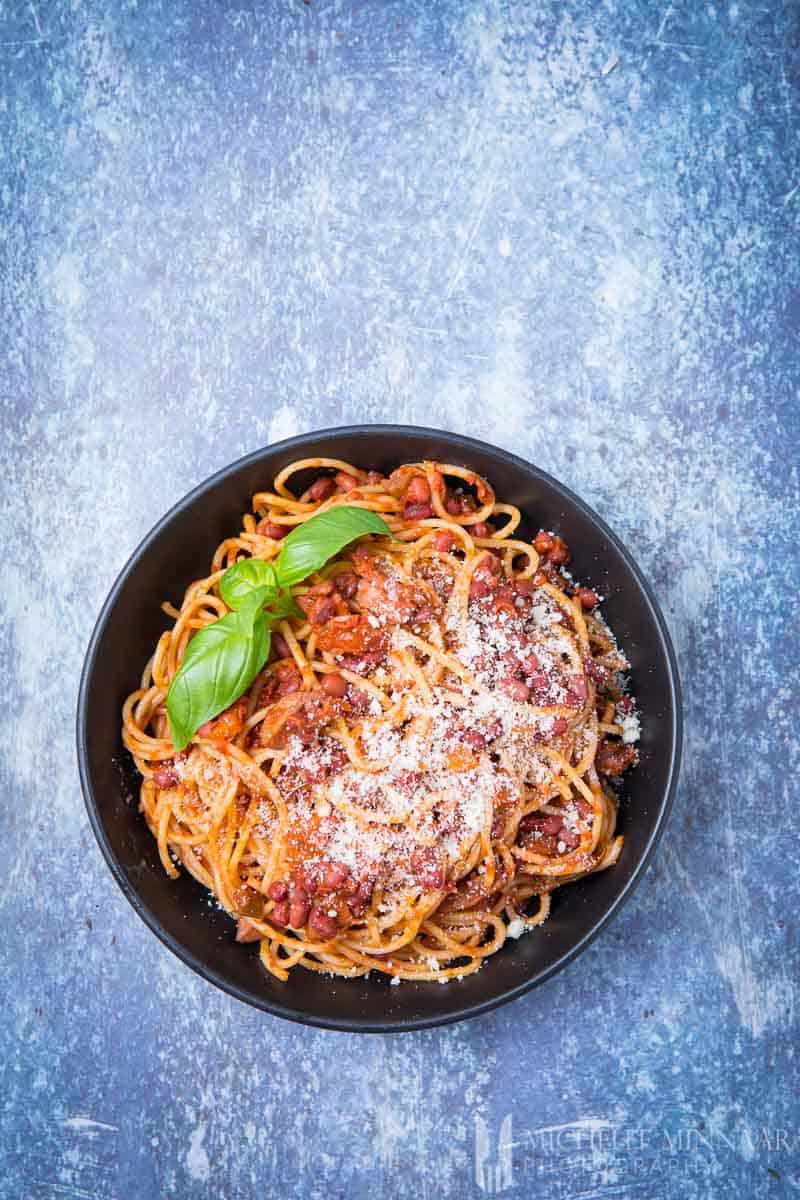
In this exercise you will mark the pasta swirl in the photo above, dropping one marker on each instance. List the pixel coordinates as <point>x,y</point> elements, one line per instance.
<point>424,758</point>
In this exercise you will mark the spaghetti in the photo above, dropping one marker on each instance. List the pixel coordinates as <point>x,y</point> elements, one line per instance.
<point>424,758</point>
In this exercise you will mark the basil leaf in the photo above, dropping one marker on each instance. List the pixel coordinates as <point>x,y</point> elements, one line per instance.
<point>284,605</point>
<point>205,639</point>
<point>220,663</point>
<point>223,659</point>
<point>240,579</point>
<point>309,546</point>
<point>218,632</point>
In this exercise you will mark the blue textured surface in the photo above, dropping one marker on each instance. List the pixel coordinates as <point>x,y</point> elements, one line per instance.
<point>570,228</point>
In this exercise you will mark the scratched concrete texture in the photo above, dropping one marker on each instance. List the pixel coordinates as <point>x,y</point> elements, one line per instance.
<point>570,228</point>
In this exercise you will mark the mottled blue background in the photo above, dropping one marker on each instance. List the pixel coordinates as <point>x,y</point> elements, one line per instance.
<point>568,227</point>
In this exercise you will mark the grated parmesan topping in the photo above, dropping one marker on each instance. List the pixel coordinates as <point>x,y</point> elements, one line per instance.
<point>440,762</point>
<point>630,728</point>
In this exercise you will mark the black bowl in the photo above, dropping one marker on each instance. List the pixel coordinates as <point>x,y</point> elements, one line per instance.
<point>178,550</point>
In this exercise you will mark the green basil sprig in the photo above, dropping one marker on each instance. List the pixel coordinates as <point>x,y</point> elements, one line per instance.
<point>310,545</point>
<point>241,580</point>
<point>223,659</point>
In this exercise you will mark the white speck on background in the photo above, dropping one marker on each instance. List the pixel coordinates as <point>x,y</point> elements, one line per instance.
<point>66,281</point>
<point>645,1083</point>
<point>284,424</point>
<point>504,389</point>
<point>622,287</point>
<point>746,97</point>
<point>197,1163</point>
<point>760,1002</point>
<point>88,1125</point>
<point>569,127</point>
<point>396,364</point>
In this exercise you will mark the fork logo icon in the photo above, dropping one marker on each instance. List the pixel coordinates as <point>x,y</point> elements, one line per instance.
<point>493,1173</point>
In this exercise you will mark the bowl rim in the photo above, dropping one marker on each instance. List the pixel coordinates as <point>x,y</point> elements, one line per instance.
<point>463,444</point>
